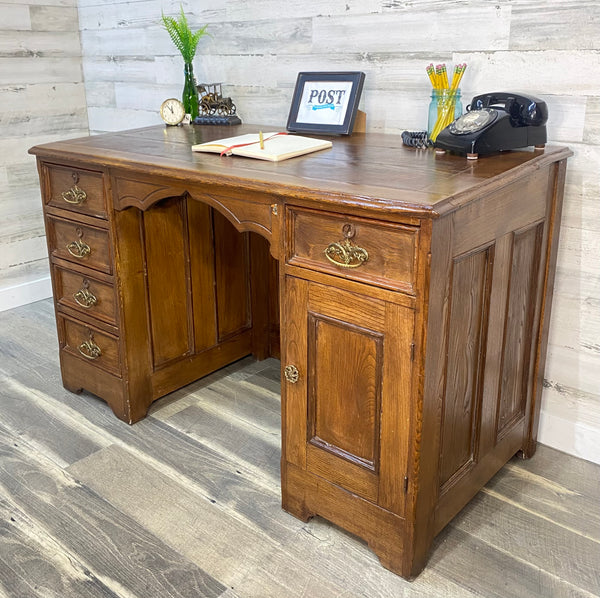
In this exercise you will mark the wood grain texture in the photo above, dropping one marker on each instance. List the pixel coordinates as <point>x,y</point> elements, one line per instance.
<point>163,474</point>
<point>547,48</point>
<point>349,429</point>
<point>461,425</point>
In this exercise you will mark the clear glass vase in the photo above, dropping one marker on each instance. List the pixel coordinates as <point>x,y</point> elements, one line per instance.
<point>190,92</point>
<point>444,108</point>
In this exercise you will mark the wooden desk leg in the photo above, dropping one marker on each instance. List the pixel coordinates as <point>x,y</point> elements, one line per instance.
<point>305,494</point>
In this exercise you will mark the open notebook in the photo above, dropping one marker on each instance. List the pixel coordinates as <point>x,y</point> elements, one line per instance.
<point>277,146</point>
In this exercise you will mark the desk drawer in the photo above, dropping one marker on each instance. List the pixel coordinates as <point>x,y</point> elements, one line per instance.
<point>89,344</point>
<point>374,252</point>
<point>81,191</point>
<point>85,294</point>
<point>79,243</point>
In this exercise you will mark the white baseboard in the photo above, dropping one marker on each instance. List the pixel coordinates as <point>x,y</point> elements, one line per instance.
<point>24,293</point>
<point>578,438</point>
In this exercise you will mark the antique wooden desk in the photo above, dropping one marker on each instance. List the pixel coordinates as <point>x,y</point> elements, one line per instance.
<point>413,293</point>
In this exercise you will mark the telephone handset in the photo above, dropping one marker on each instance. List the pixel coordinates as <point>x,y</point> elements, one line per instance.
<point>496,122</point>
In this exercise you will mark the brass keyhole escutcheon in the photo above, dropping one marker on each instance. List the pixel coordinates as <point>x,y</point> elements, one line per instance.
<point>291,373</point>
<point>348,230</point>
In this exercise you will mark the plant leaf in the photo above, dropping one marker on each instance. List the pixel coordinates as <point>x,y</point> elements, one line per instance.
<point>184,39</point>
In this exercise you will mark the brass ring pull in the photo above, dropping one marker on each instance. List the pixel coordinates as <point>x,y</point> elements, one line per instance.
<point>291,373</point>
<point>89,349</point>
<point>79,249</point>
<point>346,254</point>
<point>74,195</point>
<point>85,297</point>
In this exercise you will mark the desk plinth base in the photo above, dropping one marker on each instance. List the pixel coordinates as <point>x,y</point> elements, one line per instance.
<point>305,495</point>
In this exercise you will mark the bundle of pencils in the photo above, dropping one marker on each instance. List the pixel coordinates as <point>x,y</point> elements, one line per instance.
<point>446,93</point>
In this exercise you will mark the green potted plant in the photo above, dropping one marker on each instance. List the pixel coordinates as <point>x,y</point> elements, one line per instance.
<point>186,41</point>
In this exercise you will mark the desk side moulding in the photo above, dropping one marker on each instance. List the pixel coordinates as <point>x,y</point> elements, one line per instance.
<point>408,296</point>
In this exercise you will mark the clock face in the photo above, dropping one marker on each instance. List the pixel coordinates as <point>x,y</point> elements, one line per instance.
<point>172,111</point>
<point>473,121</point>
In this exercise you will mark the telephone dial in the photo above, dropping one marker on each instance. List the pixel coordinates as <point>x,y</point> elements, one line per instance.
<point>495,122</point>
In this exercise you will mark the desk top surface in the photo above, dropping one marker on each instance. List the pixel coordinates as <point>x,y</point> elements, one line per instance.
<point>371,169</point>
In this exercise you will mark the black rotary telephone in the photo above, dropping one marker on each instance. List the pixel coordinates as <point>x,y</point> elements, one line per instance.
<point>496,122</point>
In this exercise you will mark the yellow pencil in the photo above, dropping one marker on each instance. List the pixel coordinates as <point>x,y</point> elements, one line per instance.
<point>444,74</point>
<point>261,140</point>
<point>463,68</point>
<point>431,74</point>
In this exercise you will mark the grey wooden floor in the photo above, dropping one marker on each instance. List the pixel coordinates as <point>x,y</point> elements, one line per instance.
<point>186,502</point>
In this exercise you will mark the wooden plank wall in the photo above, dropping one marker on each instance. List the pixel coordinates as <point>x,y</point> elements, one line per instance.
<point>42,98</point>
<point>548,47</point>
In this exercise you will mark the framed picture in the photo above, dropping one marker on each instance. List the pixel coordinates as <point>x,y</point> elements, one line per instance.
<point>325,102</point>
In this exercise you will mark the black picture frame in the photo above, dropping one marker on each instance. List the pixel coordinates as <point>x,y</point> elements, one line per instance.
<point>328,109</point>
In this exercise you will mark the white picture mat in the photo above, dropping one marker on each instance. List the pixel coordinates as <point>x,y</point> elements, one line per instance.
<point>324,102</point>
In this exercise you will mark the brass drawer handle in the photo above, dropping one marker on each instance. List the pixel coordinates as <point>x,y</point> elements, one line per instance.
<point>89,349</point>
<point>74,195</point>
<point>79,248</point>
<point>84,296</point>
<point>345,253</point>
<point>291,373</point>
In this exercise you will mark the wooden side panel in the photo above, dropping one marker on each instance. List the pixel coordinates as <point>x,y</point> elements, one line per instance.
<point>465,360</point>
<point>231,275</point>
<point>507,345</point>
<point>519,333</point>
<point>548,270</point>
<point>167,261</point>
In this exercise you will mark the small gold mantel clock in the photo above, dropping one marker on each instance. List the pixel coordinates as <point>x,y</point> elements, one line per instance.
<point>172,111</point>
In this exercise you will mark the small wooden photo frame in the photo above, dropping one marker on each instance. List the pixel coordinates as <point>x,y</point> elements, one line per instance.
<point>325,102</point>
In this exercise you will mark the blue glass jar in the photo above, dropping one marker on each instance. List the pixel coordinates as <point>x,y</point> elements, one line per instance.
<point>444,108</point>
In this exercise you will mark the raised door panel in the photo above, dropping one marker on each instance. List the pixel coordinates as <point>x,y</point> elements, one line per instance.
<point>519,335</point>
<point>167,261</point>
<point>196,266</point>
<point>467,329</point>
<point>345,391</point>
<point>202,274</point>
<point>347,416</point>
<point>232,277</point>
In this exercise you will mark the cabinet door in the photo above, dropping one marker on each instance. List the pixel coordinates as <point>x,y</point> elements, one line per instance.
<point>346,389</point>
